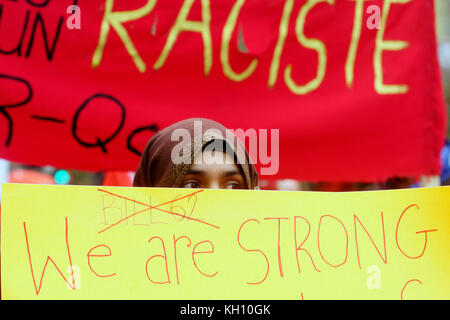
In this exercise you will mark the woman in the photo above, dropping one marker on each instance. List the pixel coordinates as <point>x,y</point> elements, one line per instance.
<point>196,153</point>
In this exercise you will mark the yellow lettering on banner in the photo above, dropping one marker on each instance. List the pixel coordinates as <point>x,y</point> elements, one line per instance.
<point>115,20</point>
<point>314,44</point>
<point>383,45</point>
<point>356,34</point>
<point>226,37</point>
<point>182,24</point>
<point>282,33</point>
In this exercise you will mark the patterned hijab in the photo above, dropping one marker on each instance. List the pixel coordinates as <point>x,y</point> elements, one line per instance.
<point>156,168</point>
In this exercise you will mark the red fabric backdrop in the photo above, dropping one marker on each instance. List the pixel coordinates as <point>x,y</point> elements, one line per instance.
<point>60,107</point>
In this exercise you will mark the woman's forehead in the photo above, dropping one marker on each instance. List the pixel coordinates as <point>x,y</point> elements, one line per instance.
<point>211,157</point>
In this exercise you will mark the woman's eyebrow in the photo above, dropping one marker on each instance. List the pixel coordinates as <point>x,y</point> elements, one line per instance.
<point>197,172</point>
<point>228,173</point>
<point>231,172</point>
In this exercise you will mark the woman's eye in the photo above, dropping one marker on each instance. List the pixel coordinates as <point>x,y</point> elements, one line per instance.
<point>233,185</point>
<point>191,184</point>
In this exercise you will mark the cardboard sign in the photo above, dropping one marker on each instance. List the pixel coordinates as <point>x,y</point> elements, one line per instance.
<point>77,242</point>
<point>348,84</point>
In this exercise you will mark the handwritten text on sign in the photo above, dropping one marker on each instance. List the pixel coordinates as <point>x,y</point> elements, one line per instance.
<point>92,242</point>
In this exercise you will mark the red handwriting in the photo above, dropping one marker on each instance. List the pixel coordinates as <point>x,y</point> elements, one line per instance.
<point>207,247</point>
<point>299,247</point>
<point>184,216</point>
<point>253,250</point>
<point>90,255</point>
<point>423,231</point>
<point>355,218</point>
<point>158,256</point>
<point>71,284</point>
<point>346,244</point>
<point>326,220</point>
<point>194,252</point>
<point>175,253</point>
<point>175,257</point>
<point>38,288</point>
<point>113,209</point>
<point>155,207</point>
<point>280,266</point>
<point>404,287</point>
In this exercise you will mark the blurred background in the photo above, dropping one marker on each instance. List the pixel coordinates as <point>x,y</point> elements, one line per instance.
<point>22,173</point>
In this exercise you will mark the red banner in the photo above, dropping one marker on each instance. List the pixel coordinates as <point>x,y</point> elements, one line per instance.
<point>353,86</point>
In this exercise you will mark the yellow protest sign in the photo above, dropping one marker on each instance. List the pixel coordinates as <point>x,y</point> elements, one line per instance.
<point>86,242</point>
